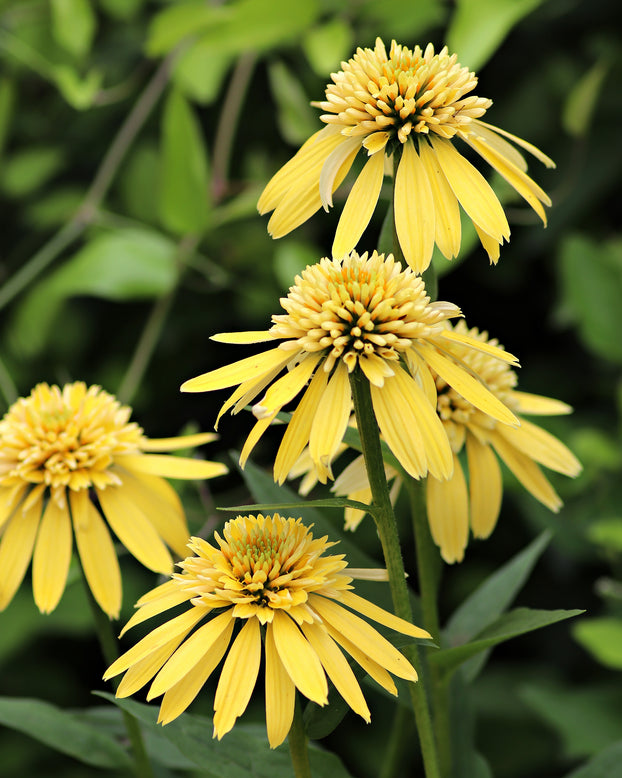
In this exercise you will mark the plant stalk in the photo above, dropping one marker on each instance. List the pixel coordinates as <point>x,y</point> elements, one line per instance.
<point>297,740</point>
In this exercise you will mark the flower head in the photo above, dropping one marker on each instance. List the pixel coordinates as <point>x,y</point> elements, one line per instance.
<point>266,573</point>
<point>356,313</point>
<point>69,456</point>
<point>410,106</point>
<point>455,504</point>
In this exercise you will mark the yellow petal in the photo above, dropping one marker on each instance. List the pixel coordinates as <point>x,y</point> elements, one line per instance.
<point>373,669</point>
<point>490,245</point>
<point>344,154</point>
<point>380,615</point>
<point>170,594</point>
<point>519,142</point>
<point>480,345</point>
<point>50,563</point>
<point>180,625</point>
<point>237,678</point>
<point>472,190</point>
<point>280,694</point>
<point>527,472</point>
<point>189,654</point>
<point>448,229</point>
<point>298,430</point>
<point>448,514</point>
<point>542,447</point>
<point>171,466</point>
<point>337,668</point>
<point>97,554</point>
<point>363,635</point>
<point>413,206</point>
<point>174,444</point>
<point>496,142</point>
<point>178,697</point>
<point>254,336</point>
<point>299,659</point>
<point>143,671</point>
<point>330,422</point>
<point>467,385</point>
<point>253,438</point>
<point>537,405</point>
<point>16,550</point>
<point>359,206</point>
<point>485,487</point>
<point>236,372</point>
<point>134,529</point>
<point>287,387</point>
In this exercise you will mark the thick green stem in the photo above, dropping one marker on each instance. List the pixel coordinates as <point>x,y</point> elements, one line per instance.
<point>389,538</point>
<point>297,740</point>
<point>109,648</point>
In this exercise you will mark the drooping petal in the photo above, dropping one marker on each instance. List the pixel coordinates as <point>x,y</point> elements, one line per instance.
<point>472,190</point>
<point>97,554</point>
<point>237,679</point>
<point>50,562</point>
<point>413,206</point>
<point>286,388</point>
<point>500,145</point>
<point>172,466</point>
<point>448,514</point>
<point>143,671</point>
<point>16,550</point>
<point>542,447</point>
<point>253,437</point>
<point>485,487</point>
<point>246,338</point>
<point>134,529</point>
<point>344,154</point>
<point>359,206</point>
<point>448,229</point>
<point>337,668</point>
<point>537,405</point>
<point>178,697</point>
<point>480,345</point>
<point>539,155</point>
<point>174,444</point>
<point>10,498</point>
<point>236,372</point>
<point>380,615</point>
<point>169,595</point>
<point>372,668</point>
<point>330,422</point>
<point>299,659</point>
<point>280,694</point>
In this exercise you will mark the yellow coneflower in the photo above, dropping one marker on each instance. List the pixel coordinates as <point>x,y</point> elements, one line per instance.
<point>70,457</point>
<point>412,105</point>
<point>362,313</point>
<point>267,574</point>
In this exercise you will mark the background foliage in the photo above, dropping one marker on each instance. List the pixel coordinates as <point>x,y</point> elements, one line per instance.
<point>135,138</point>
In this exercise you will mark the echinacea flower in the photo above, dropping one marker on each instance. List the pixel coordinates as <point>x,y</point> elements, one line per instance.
<point>411,106</point>
<point>70,458</point>
<point>269,576</point>
<point>356,313</point>
<point>455,504</point>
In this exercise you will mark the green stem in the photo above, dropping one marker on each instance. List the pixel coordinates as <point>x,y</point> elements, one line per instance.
<point>96,192</point>
<point>389,538</point>
<point>109,648</point>
<point>398,742</point>
<point>297,740</point>
<point>7,386</point>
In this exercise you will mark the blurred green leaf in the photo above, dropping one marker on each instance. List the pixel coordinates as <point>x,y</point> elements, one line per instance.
<point>55,208</point>
<point>327,45</point>
<point>400,20</point>
<point>509,625</point>
<point>121,9</point>
<point>297,121</point>
<point>242,752</point>
<point>184,177</point>
<point>602,638</point>
<point>607,533</point>
<point>603,765</point>
<point>491,598</point>
<point>478,27</point>
<point>171,25</point>
<point>7,103</point>
<point>139,183</point>
<point>591,289</point>
<point>586,719</point>
<point>73,25</point>
<point>581,102</point>
<point>126,264</point>
<point>78,91</point>
<point>26,171</point>
<point>199,71</point>
<point>291,257</point>
<point>63,731</point>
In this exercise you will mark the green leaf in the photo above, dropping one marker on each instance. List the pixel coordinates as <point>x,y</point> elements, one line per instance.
<point>297,121</point>
<point>242,753</point>
<point>78,92</point>
<point>171,25</point>
<point>127,264</point>
<point>491,598</point>
<point>27,171</point>
<point>63,731</point>
<point>329,502</point>
<point>326,45</point>
<point>602,638</point>
<point>603,765</point>
<point>591,283</point>
<point>291,257</point>
<point>509,625</point>
<point>184,178</point>
<point>73,25</point>
<point>581,102</point>
<point>607,533</point>
<point>7,104</point>
<point>199,71</point>
<point>478,27</point>
<point>587,718</point>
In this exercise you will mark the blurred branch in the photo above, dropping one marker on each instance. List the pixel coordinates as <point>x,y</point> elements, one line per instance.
<point>96,192</point>
<point>7,387</point>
